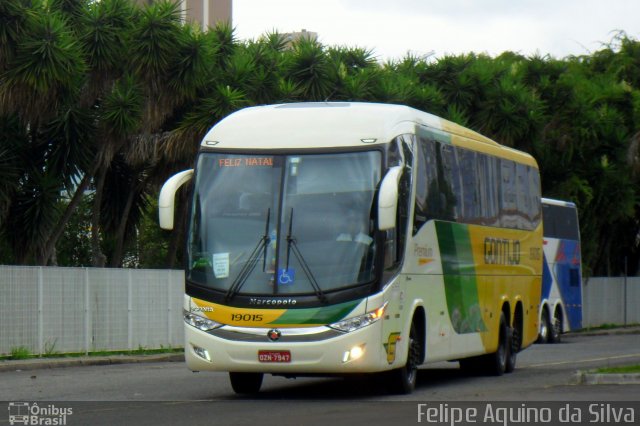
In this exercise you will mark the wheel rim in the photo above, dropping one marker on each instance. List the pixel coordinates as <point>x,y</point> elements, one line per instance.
<point>502,346</point>
<point>544,330</point>
<point>557,325</point>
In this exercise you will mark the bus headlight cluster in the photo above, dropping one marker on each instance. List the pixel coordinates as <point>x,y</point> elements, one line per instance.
<point>360,321</point>
<point>201,323</point>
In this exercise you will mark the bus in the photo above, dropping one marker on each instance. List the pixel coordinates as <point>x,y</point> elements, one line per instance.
<point>561,297</point>
<point>349,238</point>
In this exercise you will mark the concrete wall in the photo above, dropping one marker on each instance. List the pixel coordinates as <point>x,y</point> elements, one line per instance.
<point>64,310</point>
<point>613,300</point>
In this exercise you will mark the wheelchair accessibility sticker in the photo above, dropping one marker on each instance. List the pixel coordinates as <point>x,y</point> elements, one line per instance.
<point>286,276</point>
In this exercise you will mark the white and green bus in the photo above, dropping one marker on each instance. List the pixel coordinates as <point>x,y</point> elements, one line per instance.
<point>339,238</point>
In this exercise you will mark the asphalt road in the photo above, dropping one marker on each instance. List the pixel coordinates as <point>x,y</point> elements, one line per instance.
<point>167,393</point>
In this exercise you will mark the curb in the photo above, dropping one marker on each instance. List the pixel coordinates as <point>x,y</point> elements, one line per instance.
<point>586,378</point>
<point>605,332</point>
<point>42,363</point>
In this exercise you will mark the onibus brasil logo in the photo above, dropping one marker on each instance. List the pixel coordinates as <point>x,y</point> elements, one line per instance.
<point>27,413</point>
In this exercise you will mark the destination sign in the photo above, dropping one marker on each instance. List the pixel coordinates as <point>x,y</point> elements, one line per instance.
<point>246,162</point>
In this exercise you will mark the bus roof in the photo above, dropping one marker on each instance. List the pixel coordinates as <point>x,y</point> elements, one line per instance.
<point>339,125</point>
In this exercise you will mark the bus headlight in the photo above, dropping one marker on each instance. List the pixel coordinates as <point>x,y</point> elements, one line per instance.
<point>360,321</point>
<point>354,353</point>
<point>201,323</point>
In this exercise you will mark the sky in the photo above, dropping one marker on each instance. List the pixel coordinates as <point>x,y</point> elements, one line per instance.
<point>435,28</point>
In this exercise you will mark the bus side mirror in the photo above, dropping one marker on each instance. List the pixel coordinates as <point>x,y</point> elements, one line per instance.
<point>388,199</point>
<point>166,201</point>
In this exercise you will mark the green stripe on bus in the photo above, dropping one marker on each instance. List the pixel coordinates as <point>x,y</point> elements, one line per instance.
<point>461,286</point>
<point>324,315</point>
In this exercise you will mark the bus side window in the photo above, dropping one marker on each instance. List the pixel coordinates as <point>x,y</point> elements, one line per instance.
<point>390,249</point>
<point>574,277</point>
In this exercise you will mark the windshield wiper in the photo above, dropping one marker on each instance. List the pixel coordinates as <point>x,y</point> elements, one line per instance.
<point>291,244</point>
<point>251,263</point>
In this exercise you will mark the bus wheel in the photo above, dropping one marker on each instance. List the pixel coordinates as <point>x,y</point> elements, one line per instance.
<point>243,383</point>
<point>543,336</point>
<point>556,328</point>
<point>496,363</point>
<point>403,380</point>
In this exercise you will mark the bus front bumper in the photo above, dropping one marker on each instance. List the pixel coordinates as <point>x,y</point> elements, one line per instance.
<point>318,350</point>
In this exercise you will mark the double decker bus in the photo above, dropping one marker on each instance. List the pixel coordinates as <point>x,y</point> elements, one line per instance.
<point>339,238</point>
<point>561,301</point>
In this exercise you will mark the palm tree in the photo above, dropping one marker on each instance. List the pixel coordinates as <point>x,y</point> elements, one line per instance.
<point>310,69</point>
<point>42,73</point>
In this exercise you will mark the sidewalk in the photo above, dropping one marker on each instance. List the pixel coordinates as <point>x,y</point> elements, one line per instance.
<point>590,378</point>
<point>40,363</point>
<point>631,329</point>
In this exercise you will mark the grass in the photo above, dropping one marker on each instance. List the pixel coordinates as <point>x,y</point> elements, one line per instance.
<point>22,352</point>
<point>628,369</point>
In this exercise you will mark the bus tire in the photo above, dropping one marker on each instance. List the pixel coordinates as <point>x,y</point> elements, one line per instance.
<point>516,333</point>
<point>496,363</point>
<point>555,330</point>
<point>403,380</point>
<point>543,335</point>
<point>246,383</point>
<point>512,349</point>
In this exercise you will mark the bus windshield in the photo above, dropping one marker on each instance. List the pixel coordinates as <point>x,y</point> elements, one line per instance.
<point>283,224</point>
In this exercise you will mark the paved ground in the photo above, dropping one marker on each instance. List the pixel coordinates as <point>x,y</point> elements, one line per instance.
<point>117,390</point>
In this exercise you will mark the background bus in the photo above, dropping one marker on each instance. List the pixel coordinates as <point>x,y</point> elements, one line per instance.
<point>339,238</point>
<point>561,301</point>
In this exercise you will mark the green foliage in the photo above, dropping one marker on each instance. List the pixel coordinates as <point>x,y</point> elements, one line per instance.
<point>106,34</point>
<point>156,36</point>
<point>629,369</point>
<point>20,352</point>
<point>12,140</point>
<point>74,248</point>
<point>311,70</point>
<point>122,108</point>
<point>153,242</point>
<point>47,65</point>
<point>71,135</point>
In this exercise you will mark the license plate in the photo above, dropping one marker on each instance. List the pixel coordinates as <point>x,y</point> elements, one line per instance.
<point>274,356</point>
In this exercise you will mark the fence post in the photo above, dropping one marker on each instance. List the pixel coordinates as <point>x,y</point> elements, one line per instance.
<point>625,291</point>
<point>130,311</point>
<point>87,311</point>
<point>40,313</point>
<point>169,319</point>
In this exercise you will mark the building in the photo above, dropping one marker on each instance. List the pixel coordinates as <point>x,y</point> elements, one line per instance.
<point>207,13</point>
<point>291,38</point>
